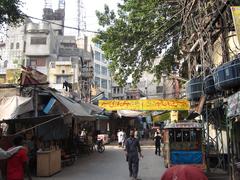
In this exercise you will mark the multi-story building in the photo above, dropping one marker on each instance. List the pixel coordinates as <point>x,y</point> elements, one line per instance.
<point>119,92</point>
<point>154,89</point>
<point>56,18</point>
<point>101,75</point>
<point>147,87</point>
<point>12,50</point>
<point>3,62</point>
<point>41,46</point>
<point>73,66</point>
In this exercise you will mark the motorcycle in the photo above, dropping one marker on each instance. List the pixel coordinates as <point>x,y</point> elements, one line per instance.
<point>100,146</point>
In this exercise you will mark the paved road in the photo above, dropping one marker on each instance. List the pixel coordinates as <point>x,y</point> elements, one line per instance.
<point>110,165</point>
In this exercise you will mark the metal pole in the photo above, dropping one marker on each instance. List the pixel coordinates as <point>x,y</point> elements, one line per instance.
<point>207,148</point>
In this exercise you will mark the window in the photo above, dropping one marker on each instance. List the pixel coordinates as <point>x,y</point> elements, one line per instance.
<point>104,71</point>
<point>33,63</point>
<point>97,68</point>
<point>114,90</point>
<point>17,45</point>
<point>97,55</point>
<point>11,46</point>
<point>159,89</point>
<point>97,45</point>
<point>5,64</point>
<point>171,135</point>
<point>178,135</point>
<point>37,62</point>
<point>38,40</point>
<point>103,58</point>
<point>41,61</point>
<point>97,81</point>
<point>62,79</point>
<point>104,83</point>
<point>186,136</point>
<point>193,135</point>
<point>24,46</point>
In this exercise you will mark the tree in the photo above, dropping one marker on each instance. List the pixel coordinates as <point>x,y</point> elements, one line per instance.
<point>10,12</point>
<point>137,34</point>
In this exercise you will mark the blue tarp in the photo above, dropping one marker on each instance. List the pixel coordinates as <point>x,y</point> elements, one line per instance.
<point>49,105</point>
<point>186,157</point>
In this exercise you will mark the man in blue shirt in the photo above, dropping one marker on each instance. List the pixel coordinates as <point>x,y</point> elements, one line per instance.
<point>132,149</point>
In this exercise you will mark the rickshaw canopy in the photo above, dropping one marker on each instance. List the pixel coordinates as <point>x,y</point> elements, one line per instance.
<point>181,125</point>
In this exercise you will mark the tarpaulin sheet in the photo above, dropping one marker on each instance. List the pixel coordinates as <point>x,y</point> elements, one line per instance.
<point>129,113</point>
<point>11,107</point>
<point>186,157</point>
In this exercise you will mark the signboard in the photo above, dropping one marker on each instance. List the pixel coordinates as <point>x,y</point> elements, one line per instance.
<point>145,104</point>
<point>236,20</point>
<point>174,116</point>
<point>161,117</point>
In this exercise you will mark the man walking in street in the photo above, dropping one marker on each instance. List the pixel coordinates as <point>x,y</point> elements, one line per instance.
<point>120,137</point>
<point>132,149</point>
<point>157,139</point>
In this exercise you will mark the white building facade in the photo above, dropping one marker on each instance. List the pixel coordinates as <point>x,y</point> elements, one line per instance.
<point>102,75</point>
<point>13,52</point>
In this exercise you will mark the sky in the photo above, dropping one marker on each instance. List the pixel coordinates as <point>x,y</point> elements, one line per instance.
<point>35,8</point>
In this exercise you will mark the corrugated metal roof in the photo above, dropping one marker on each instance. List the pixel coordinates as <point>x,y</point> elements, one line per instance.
<point>75,108</point>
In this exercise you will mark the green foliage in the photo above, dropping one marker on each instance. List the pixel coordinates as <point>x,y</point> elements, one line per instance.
<point>136,35</point>
<point>10,12</point>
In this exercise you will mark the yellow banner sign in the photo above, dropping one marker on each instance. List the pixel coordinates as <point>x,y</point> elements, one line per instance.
<point>146,104</point>
<point>236,20</point>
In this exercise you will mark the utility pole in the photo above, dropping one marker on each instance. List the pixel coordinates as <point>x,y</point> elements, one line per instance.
<point>79,16</point>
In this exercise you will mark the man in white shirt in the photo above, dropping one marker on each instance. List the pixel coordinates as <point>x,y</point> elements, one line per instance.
<point>120,137</point>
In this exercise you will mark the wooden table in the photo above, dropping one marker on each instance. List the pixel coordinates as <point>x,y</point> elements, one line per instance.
<point>48,162</point>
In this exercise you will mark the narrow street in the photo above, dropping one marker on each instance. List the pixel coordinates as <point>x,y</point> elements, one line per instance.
<point>111,165</point>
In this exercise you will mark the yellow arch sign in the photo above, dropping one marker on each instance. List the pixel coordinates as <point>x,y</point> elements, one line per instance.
<point>145,104</point>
